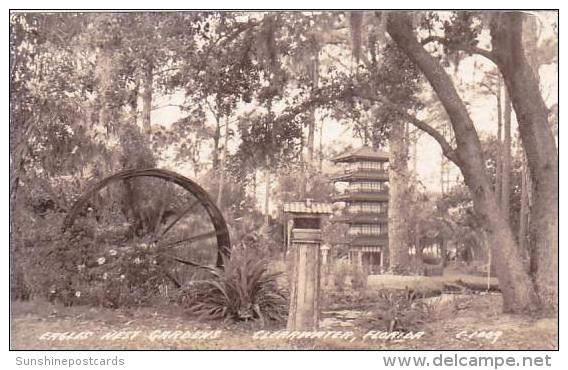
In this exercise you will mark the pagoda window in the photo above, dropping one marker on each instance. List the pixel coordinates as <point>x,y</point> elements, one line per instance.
<point>366,229</point>
<point>372,208</point>
<point>354,230</point>
<point>354,208</point>
<point>367,186</point>
<point>355,186</point>
<point>369,166</point>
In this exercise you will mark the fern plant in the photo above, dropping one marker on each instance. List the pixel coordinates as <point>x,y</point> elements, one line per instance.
<point>243,291</point>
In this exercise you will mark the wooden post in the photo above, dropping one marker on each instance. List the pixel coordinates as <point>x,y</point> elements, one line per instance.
<point>305,253</point>
<point>304,292</point>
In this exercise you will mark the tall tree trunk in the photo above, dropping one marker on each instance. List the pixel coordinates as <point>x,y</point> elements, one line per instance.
<point>270,162</point>
<point>540,147</point>
<point>417,246</point>
<point>267,199</point>
<point>311,137</point>
<point>499,159</point>
<point>134,101</point>
<point>517,288</point>
<point>309,164</point>
<point>303,168</point>
<point>104,72</point>
<point>216,141</point>
<point>399,178</point>
<point>415,153</point>
<point>530,38</point>
<point>442,164</point>
<point>506,155</point>
<point>524,214</point>
<point>254,181</point>
<point>223,164</point>
<point>321,147</point>
<point>147,97</point>
<point>314,74</point>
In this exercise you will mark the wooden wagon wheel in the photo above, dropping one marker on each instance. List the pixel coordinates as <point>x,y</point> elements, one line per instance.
<point>153,227</point>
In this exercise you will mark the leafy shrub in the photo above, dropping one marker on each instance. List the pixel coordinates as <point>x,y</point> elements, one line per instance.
<point>401,310</point>
<point>31,237</point>
<point>343,272</point>
<point>79,267</point>
<point>243,291</point>
<point>359,275</point>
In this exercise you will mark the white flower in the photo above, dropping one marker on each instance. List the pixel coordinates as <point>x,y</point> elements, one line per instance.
<point>101,260</point>
<point>77,294</point>
<point>143,245</point>
<point>112,252</point>
<point>81,267</point>
<point>105,275</point>
<point>137,261</point>
<point>154,262</point>
<point>122,277</point>
<point>52,291</point>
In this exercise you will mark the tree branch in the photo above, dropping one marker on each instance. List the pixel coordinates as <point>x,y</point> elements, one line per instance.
<point>470,49</point>
<point>447,149</point>
<point>180,106</point>
<point>320,98</point>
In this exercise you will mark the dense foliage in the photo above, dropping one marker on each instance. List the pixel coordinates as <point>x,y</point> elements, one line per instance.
<point>254,94</point>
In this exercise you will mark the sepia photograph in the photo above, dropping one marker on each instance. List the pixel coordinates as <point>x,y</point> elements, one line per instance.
<point>283,180</point>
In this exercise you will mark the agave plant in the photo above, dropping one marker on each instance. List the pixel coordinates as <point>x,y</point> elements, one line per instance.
<point>244,290</point>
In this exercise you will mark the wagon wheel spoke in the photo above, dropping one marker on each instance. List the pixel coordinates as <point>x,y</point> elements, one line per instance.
<point>167,274</point>
<point>191,239</point>
<point>188,262</point>
<point>176,220</point>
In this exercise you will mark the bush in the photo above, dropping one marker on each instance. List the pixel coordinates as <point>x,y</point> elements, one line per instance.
<point>110,277</point>
<point>31,237</point>
<point>401,310</point>
<point>81,268</point>
<point>343,271</point>
<point>243,291</point>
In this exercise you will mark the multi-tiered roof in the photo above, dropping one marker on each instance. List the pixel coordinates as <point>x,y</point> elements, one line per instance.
<point>366,196</point>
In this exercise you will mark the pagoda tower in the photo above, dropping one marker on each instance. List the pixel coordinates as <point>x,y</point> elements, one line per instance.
<point>366,171</point>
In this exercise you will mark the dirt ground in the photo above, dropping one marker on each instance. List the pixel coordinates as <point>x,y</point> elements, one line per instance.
<point>473,323</point>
